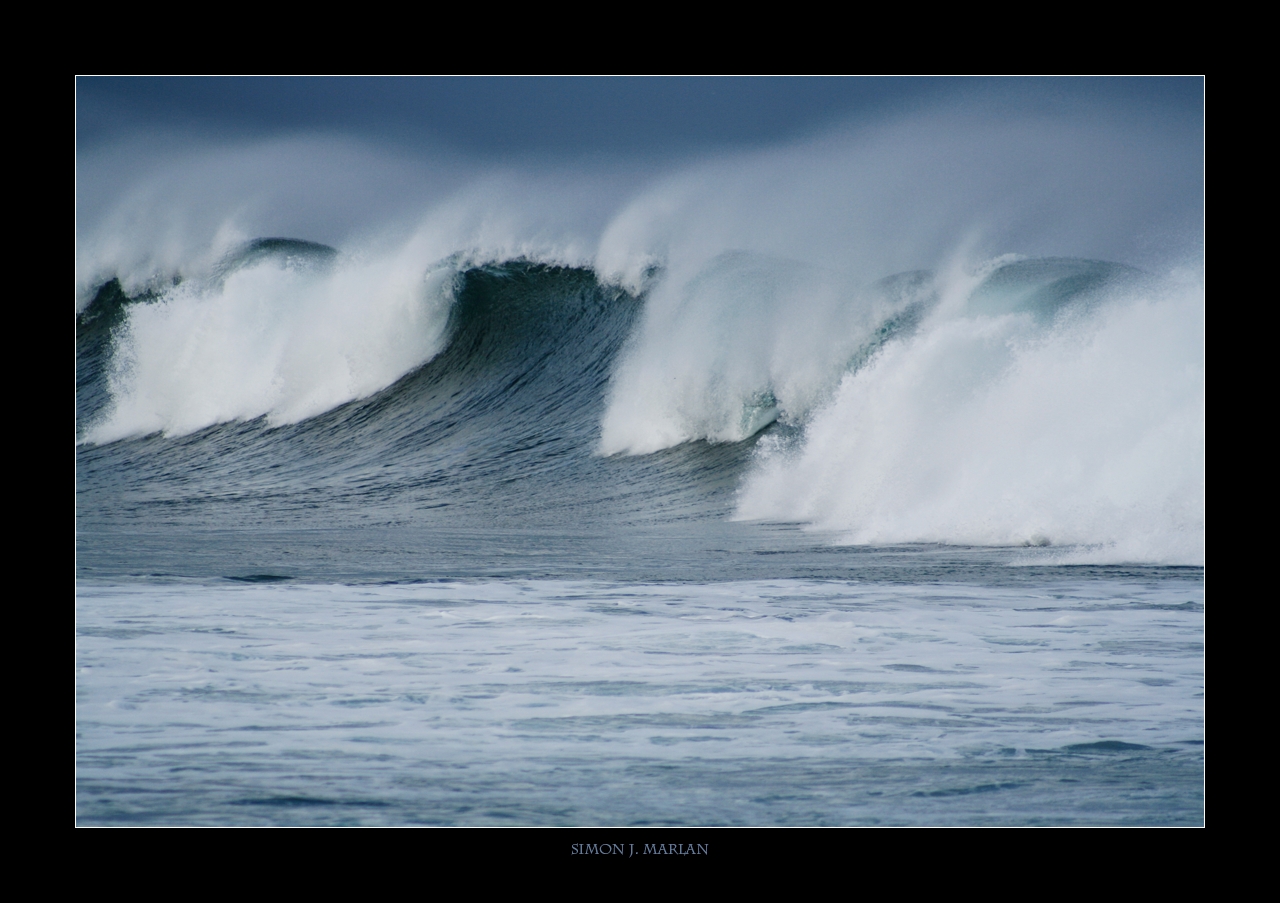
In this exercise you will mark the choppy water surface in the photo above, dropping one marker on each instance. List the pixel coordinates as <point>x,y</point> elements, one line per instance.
<point>546,702</point>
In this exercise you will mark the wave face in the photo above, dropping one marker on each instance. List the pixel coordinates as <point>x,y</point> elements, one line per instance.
<point>481,459</point>
<point>931,332</point>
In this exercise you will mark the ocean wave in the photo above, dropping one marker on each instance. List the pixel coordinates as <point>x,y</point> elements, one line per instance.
<point>931,329</point>
<point>1084,429</point>
<point>266,337</point>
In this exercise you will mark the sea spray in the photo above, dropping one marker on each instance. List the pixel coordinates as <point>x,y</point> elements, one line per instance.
<point>749,340</point>
<point>792,285</point>
<point>997,429</point>
<point>271,339</point>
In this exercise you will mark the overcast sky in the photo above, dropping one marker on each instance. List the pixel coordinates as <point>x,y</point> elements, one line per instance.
<point>558,117</point>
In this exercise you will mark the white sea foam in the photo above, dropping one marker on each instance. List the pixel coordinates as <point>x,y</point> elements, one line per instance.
<point>989,430</point>
<point>749,339</point>
<point>272,341</point>
<point>285,343</point>
<point>477,671</point>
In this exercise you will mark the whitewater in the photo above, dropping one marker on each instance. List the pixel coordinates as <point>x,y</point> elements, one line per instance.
<point>872,462</point>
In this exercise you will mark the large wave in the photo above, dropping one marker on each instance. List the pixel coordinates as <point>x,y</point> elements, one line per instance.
<point>874,292</point>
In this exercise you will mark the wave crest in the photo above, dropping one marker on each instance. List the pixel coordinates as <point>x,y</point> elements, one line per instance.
<point>268,337</point>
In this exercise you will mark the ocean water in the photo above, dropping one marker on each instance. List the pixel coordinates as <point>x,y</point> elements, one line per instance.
<point>767,498</point>
<point>589,702</point>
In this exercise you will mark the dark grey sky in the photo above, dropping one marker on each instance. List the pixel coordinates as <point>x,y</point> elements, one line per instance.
<point>505,117</point>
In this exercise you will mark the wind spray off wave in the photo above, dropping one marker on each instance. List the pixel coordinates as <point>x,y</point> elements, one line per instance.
<point>272,338</point>
<point>842,302</point>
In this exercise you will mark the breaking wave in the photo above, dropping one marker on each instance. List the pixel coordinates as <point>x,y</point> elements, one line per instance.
<point>943,330</point>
